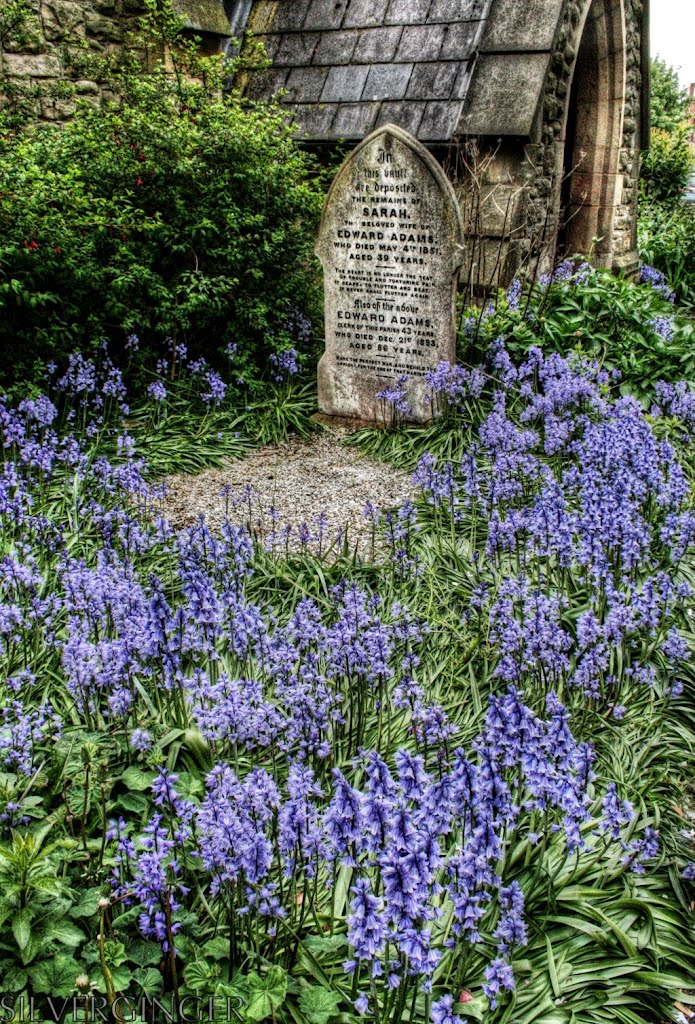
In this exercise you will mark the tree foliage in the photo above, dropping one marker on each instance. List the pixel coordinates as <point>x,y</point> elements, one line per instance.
<point>667,165</point>
<point>669,101</point>
<point>171,211</point>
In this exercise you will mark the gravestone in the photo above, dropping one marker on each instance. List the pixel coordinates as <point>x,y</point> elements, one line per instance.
<point>391,244</point>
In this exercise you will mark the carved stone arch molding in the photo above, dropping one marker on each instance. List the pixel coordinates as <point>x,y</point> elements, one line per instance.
<point>593,179</point>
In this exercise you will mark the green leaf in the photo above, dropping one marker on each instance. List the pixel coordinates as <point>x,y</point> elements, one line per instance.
<point>120,977</point>
<point>201,976</point>
<point>149,979</point>
<point>56,976</point>
<point>136,803</point>
<point>266,994</point>
<point>318,1004</point>
<point>137,780</point>
<point>14,977</point>
<point>66,932</point>
<point>323,944</point>
<point>115,953</point>
<point>21,927</point>
<point>144,954</point>
<point>217,948</point>
<point>552,969</point>
<point>478,1008</point>
<point>86,904</point>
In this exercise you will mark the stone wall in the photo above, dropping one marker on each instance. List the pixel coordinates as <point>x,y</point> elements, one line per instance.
<point>38,59</point>
<point>42,60</point>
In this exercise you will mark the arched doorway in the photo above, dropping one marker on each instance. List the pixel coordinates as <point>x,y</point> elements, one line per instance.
<point>591,181</point>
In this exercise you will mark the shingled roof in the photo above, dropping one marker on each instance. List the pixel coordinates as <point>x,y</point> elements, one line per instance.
<point>349,66</point>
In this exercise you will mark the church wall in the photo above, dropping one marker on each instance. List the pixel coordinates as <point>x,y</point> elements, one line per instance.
<point>40,62</point>
<point>511,188</point>
<point>510,185</point>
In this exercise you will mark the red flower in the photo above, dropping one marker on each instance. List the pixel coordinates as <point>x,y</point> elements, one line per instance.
<point>465,996</point>
<point>139,181</point>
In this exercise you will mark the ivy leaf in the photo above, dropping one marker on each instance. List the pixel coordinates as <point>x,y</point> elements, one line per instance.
<point>318,1004</point>
<point>55,977</point>
<point>266,994</point>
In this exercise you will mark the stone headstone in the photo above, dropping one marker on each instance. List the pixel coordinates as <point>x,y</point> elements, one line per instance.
<point>391,244</point>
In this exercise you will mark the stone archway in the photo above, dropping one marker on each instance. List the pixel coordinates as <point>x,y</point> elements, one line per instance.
<point>592,179</point>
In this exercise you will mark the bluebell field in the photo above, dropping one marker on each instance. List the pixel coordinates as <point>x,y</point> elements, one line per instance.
<point>442,782</point>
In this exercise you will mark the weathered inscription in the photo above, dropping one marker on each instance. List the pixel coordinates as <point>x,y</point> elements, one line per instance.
<point>391,243</point>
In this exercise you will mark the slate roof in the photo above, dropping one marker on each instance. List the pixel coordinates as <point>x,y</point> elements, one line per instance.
<point>349,66</point>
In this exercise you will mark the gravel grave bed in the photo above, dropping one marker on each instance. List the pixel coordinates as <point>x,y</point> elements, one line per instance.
<point>301,494</point>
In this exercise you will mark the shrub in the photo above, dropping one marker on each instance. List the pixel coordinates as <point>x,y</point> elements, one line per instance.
<point>667,165</point>
<point>667,242</point>
<point>629,328</point>
<point>173,212</point>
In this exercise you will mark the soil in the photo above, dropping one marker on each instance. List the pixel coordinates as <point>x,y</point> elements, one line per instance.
<point>284,493</point>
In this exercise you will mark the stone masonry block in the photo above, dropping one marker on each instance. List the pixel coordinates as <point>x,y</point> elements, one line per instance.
<point>420,42</point>
<point>265,83</point>
<point>297,49</point>
<point>432,81</point>
<point>387,81</point>
<point>459,41</point>
<point>325,14</point>
<point>377,45</point>
<point>315,119</point>
<point>353,120</point>
<point>407,12</point>
<point>305,85</point>
<point>39,65</point>
<point>523,27</point>
<point>286,15</point>
<point>438,121</point>
<point>104,29</point>
<point>451,11</point>
<point>405,113</point>
<point>499,98</point>
<point>344,85</point>
<point>365,13</point>
<point>336,47</point>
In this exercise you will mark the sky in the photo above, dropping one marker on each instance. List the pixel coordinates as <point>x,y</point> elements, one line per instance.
<point>673,35</point>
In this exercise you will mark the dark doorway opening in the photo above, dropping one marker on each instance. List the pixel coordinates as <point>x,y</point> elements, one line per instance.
<point>591,180</point>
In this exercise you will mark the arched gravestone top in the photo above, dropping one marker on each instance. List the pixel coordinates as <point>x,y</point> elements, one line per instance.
<point>391,244</point>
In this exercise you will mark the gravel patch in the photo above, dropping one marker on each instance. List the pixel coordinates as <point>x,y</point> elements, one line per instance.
<point>304,493</point>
